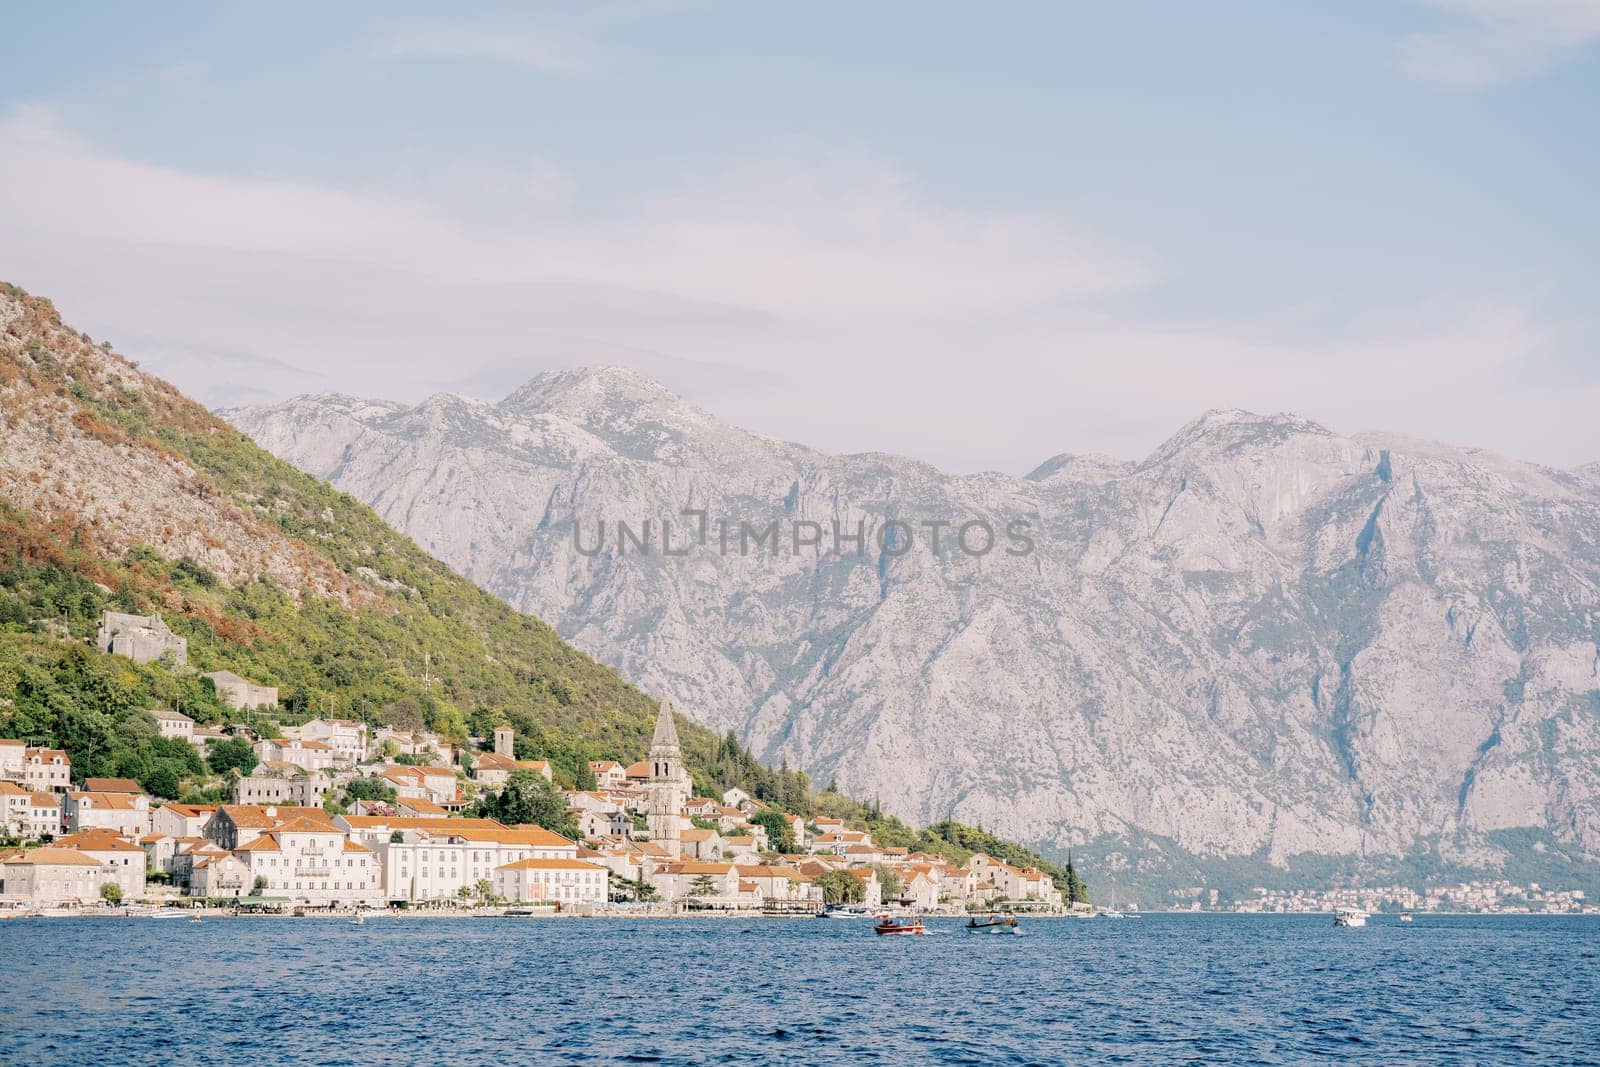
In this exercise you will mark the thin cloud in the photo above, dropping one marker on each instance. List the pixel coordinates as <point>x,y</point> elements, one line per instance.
<point>839,304</point>
<point>544,50</point>
<point>1500,40</point>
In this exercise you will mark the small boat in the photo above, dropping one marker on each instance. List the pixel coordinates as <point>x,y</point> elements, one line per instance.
<point>358,920</point>
<point>197,919</point>
<point>995,924</point>
<point>890,926</point>
<point>1405,916</point>
<point>1349,917</point>
<point>833,911</point>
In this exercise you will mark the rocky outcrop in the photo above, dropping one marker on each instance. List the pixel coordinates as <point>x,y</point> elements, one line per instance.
<point>1267,638</point>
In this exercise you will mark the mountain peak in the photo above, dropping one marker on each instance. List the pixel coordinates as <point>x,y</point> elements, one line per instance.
<point>586,387</point>
<point>1225,429</point>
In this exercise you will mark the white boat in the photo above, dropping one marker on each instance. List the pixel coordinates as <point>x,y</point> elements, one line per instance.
<point>358,920</point>
<point>1114,911</point>
<point>1349,917</point>
<point>1405,917</point>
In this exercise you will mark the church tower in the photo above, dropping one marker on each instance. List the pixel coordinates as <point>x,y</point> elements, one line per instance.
<point>669,784</point>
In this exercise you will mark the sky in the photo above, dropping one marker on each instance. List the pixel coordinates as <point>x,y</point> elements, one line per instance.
<point>981,235</point>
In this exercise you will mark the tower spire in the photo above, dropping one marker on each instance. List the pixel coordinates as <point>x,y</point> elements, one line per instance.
<point>666,736</point>
<point>669,785</point>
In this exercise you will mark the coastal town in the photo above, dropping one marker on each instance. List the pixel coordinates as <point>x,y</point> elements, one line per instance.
<point>1485,897</point>
<point>411,833</point>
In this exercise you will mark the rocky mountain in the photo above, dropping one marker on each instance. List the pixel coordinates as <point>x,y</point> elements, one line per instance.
<point>1267,642</point>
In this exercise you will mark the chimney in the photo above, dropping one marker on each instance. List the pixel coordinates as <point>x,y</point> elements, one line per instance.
<point>502,742</point>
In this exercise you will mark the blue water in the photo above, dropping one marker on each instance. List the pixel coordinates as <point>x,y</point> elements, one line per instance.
<point>1164,989</point>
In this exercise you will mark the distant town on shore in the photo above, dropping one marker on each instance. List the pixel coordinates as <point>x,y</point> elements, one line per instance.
<point>339,814</point>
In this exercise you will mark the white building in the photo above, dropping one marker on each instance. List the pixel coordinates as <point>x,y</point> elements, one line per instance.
<point>682,880</point>
<point>181,820</point>
<point>432,859</point>
<point>122,813</point>
<point>566,883</point>
<point>308,755</point>
<point>346,739</point>
<point>312,862</point>
<point>16,808</point>
<point>608,774</point>
<point>46,770</point>
<point>437,784</point>
<point>44,817</point>
<point>173,724</point>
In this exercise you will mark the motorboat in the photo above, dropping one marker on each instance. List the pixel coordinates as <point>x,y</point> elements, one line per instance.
<point>1349,917</point>
<point>994,924</point>
<point>890,926</point>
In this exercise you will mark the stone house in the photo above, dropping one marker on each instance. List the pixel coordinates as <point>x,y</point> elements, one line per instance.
<point>122,861</point>
<point>141,638</point>
<point>239,693</point>
<point>49,876</point>
<point>279,782</point>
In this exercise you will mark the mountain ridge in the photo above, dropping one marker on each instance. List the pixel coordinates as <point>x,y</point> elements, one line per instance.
<point>1263,639</point>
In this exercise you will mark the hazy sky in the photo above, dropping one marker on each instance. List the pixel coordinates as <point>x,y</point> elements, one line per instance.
<point>978,234</point>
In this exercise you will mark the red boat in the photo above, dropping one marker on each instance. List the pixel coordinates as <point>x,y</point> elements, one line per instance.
<point>889,926</point>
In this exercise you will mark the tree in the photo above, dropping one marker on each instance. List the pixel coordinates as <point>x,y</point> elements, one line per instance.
<point>841,887</point>
<point>780,834</point>
<point>162,781</point>
<point>260,884</point>
<point>889,880</point>
<point>529,798</point>
<point>403,714</point>
<point>638,889</point>
<point>584,780</point>
<point>484,888</point>
<point>370,789</point>
<point>703,886</point>
<point>1075,889</point>
<point>231,754</point>
<point>111,893</point>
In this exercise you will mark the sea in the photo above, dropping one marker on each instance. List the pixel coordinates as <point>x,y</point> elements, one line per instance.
<point>1162,989</point>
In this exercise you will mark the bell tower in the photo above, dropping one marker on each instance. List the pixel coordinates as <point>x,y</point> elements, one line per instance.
<point>669,785</point>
